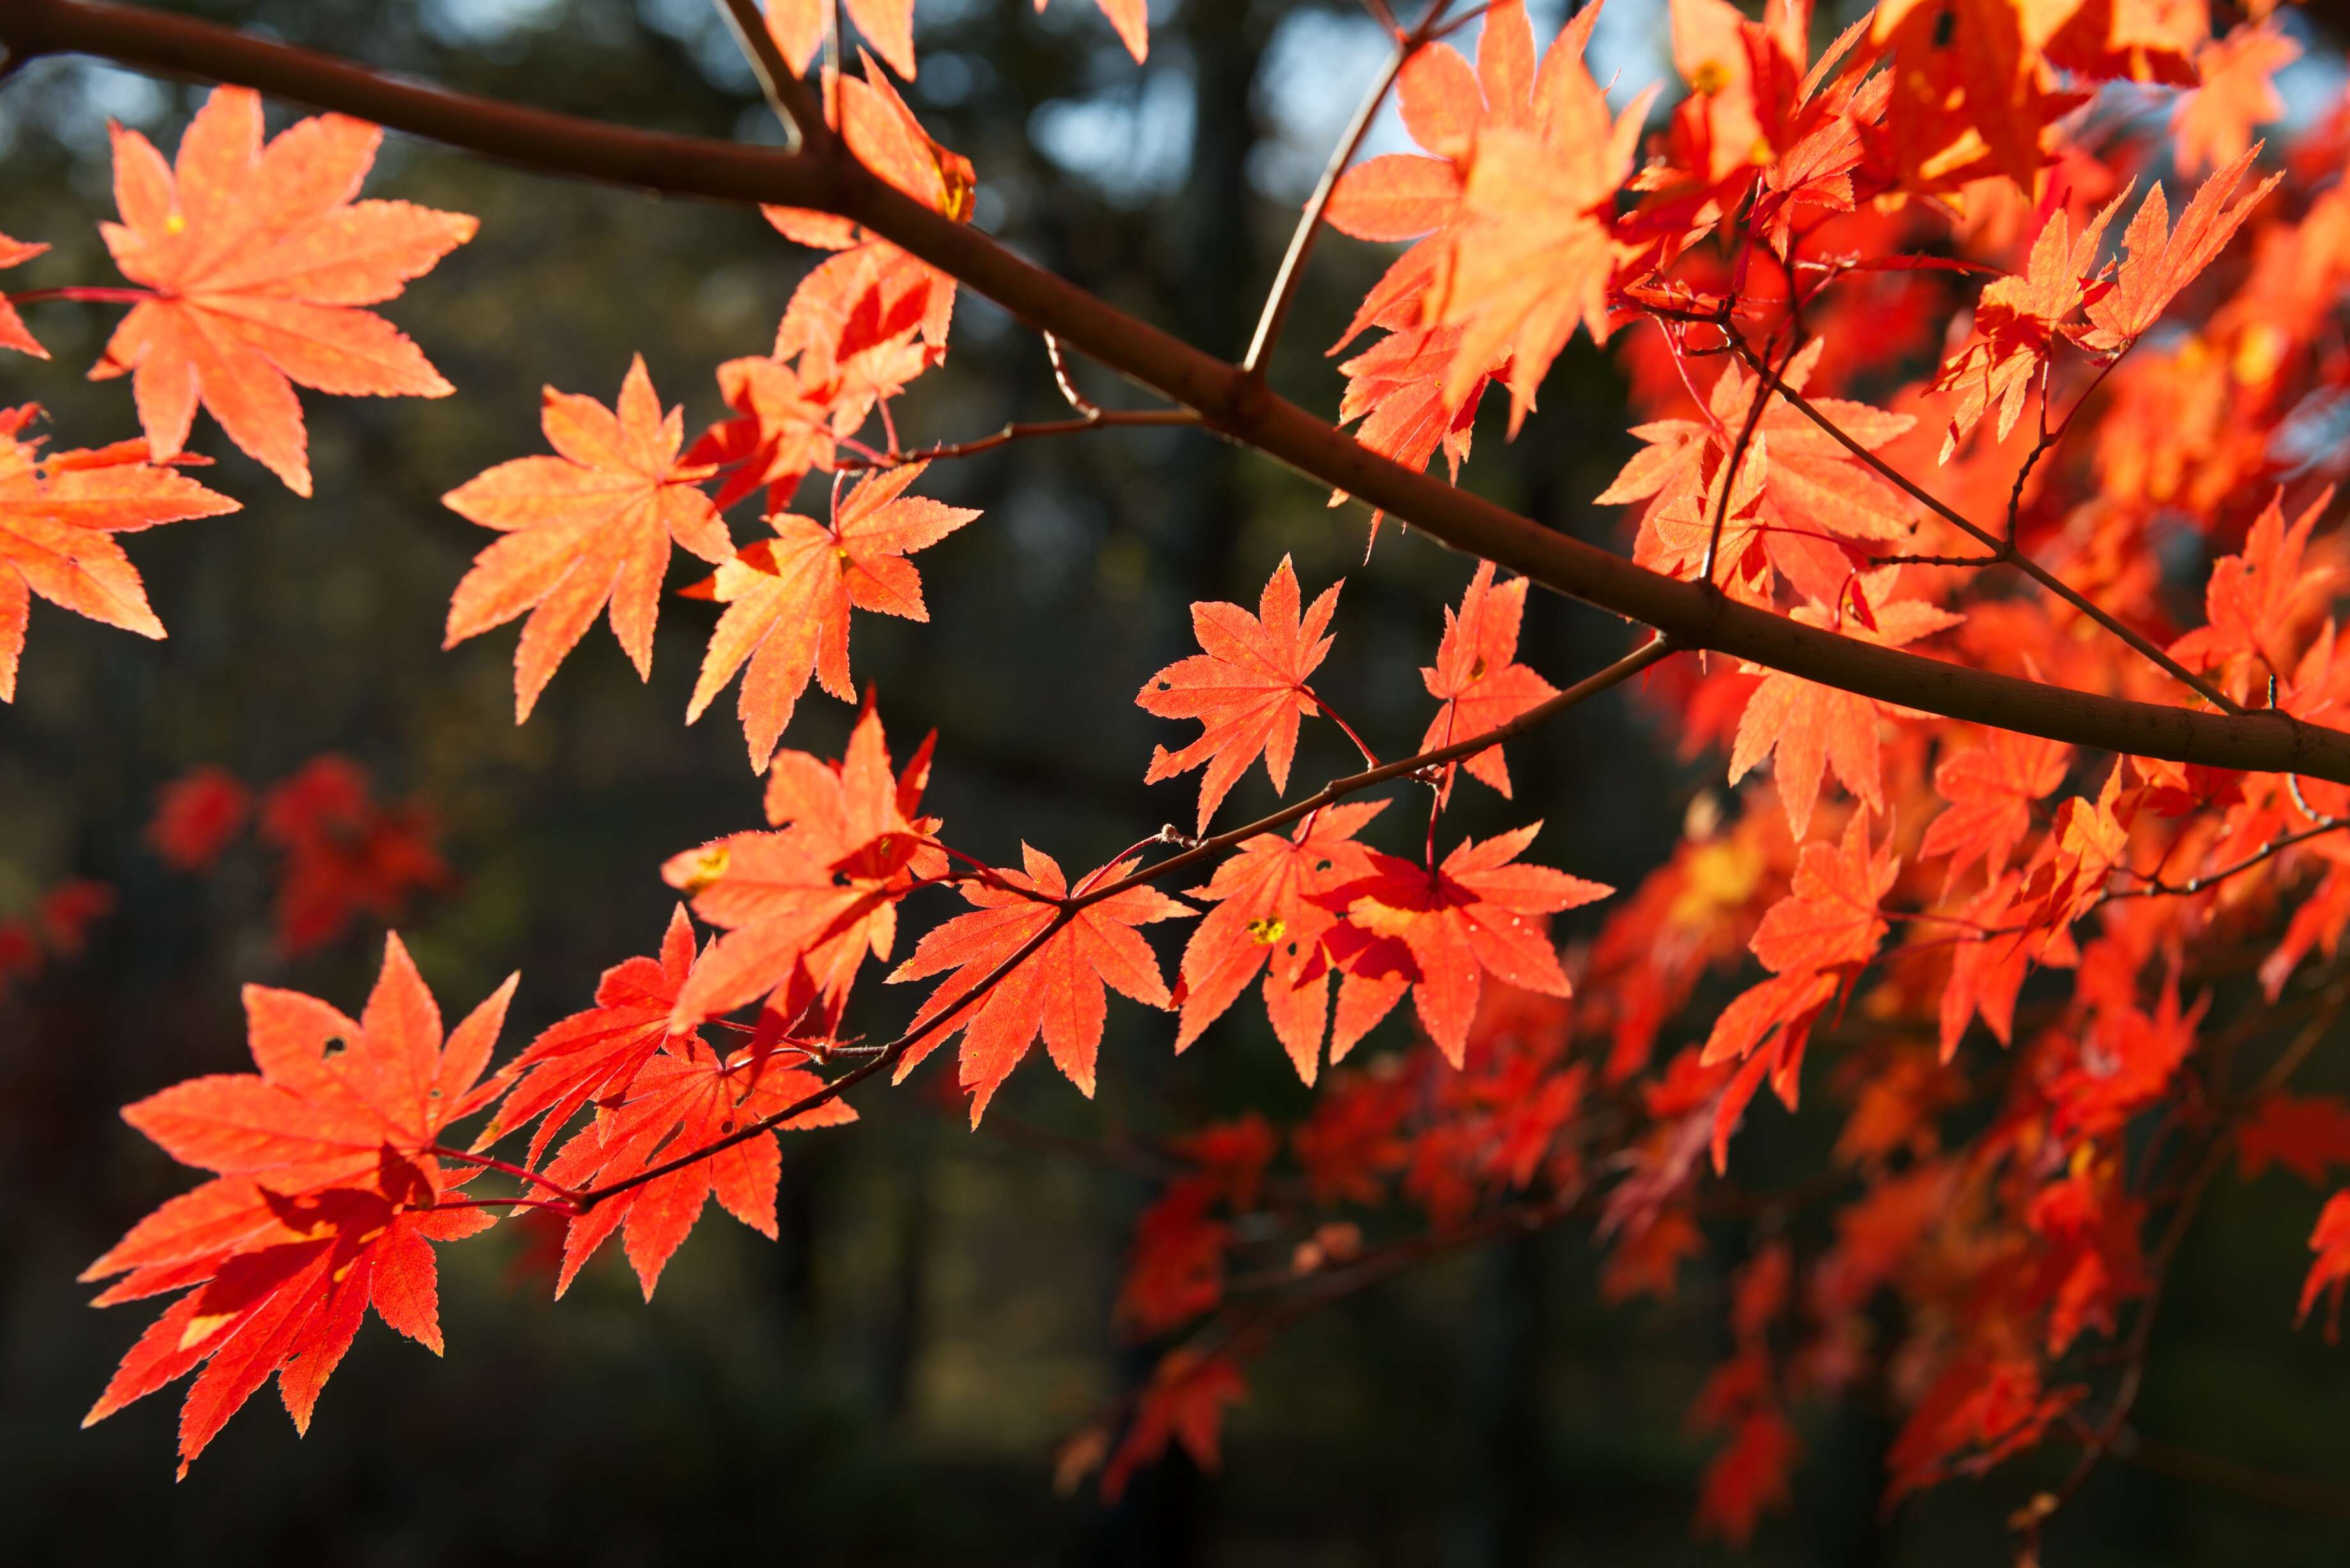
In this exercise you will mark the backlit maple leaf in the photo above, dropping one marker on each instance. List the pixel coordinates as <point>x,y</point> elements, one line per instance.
<point>585,529</point>
<point>323,1202</point>
<point>787,599</point>
<point>804,904</point>
<point>1247,690</point>
<point>1478,679</point>
<point>1810,727</point>
<point>2163,260</point>
<point>1270,917</point>
<point>2016,327</point>
<point>260,260</point>
<point>1057,991</point>
<point>58,518</point>
<point>2213,124</point>
<point>685,1098</point>
<point>1813,491</point>
<point>1830,918</point>
<point>798,28</point>
<point>13,333</point>
<point>1474,914</point>
<point>1991,789</point>
<point>596,1054</point>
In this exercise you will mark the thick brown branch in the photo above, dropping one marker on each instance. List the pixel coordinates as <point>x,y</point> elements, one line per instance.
<point>1228,399</point>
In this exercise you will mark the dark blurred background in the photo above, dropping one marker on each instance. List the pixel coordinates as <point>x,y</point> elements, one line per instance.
<point>887,1384</point>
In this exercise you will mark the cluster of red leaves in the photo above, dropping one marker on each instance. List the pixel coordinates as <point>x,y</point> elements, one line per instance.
<point>339,853</point>
<point>55,928</point>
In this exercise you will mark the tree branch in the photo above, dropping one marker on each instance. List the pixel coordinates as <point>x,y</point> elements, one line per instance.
<point>1228,399</point>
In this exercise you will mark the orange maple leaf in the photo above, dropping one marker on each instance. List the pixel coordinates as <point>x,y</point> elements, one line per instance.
<point>787,598</point>
<point>686,1098</point>
<point>1472,914</point>
<point>2213,124</point>
<point>13,333</point>
<point>1809,728</point>
<point>1478,679</point>
<point>804,904</point>
<point>585,529</point>
<point>2163,261</point>
<point>798,25</point>
<point>58,518</point>
<point>1830,919</point>
<point>1991,789</point>
<point>1057,991</point>
<point>260,261</point>
<point>323,1202</point>
<point>1271,915</point>
<point>1247,689</point>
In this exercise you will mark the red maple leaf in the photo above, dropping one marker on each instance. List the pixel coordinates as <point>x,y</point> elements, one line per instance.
<point>343,853</point>
<point>804,904</point>
<point>585,528</point>
<point>1991,789</point>
<point>1057,990</point>
<point>1270,916</point>
<point>1810,727</point>
<point>2213,124</point>
<point>12,331</point>
<point>596,1054</point>
<point>1478,679</point>
<point>196,816</point>
<point>1831,918</point>
<point>2331,1241</point>
<point>2163,261</point>
<point>1247,689</point>
<point>783,426</point>
<point>2306,1134</point>
<point>682,1100</point>
<point>787,599</point>
<point>324,1197</point>
<point>58,518</point>
<point>260,261</point>
<point>1183,1403</point>
<point>1474,914</point>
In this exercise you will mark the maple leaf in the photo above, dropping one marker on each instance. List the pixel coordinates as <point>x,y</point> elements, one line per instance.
<point>260,261</point>
<point>196,816</point>
<point>1183,1403</point>
<point>1970,88</point>
<point>2017,323</point>
<point>58,516</point>
<point>1991,789</point>
<point>853,321</point>
<point>2260,596</point>
<point>1270,916</point>
<point>323,1202</point>
<point>1474,914</point>
<point>1798,492</point>
<point>1057,990</point>
<point>585,529</point>
<point>798,27</point>
<point>2213,124</point>
<point>2331,1241</point>
<point>343,853</point>
<point>685,1098</point>
<point>596,1054</point>
<point>803,905</point>
<point>1830,918</point>
<point>783,426</point>
<point>787,598</point>
<point>2164,261</point>
<point>2306,1134</point>
<point>1247,689</point>
<point>1533,253</point>
<point>1396,389</point>
<point>13,333</point>
<point>1809,728</point>
<point>1747,1477</point>
<point>1477,680</point>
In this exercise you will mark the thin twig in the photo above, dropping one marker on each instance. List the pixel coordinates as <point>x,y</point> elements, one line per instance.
<point>801,116</point>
